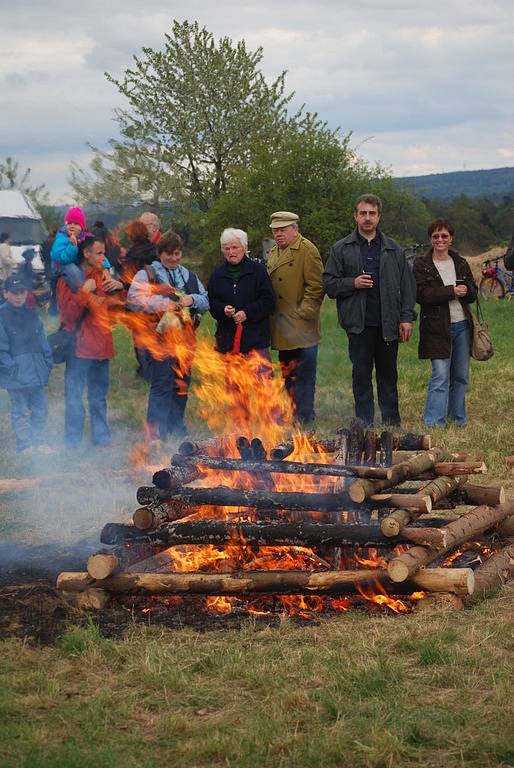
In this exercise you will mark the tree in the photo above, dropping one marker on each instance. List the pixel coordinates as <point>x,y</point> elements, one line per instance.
<point>194,109</point>
<point>11,177</point>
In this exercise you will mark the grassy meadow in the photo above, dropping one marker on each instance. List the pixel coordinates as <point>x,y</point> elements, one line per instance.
<point>351,691</point>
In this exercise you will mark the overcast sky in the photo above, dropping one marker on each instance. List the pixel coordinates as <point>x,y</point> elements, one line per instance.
<point>425,87</point>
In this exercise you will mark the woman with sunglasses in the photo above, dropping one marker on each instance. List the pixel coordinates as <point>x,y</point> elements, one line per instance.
<point>445,288</point>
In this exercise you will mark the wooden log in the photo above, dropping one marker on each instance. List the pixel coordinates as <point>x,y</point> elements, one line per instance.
<point>282,451</point>
<point>303,533</point>
<point>153,515</point>
<point>102,564</point>
<point>244,448</point>
<point>360,490</point>
<point>399,455</point>
<point>393,523</point>
<point>458,580</point>
<point>91,599</point>
<point>148,494</point>
<point>494,573</point>
<point>440,601</point>
<point>386,448</point>
<point>279,467</point>
<point>469,525</point>
<point>209,446</point>
<point>414,501</point>
<point>452,469</point>
<point>506,528</point>
<point>118,533</point>
<point>370,447</point>
<point>175,477</point>
<point>436,490</point>
<point>482,494</point>
<point>355,442</point>
<point>258,449</point>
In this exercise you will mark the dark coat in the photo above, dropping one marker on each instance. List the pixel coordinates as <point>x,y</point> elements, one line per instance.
<point>253,293</point>
<point>433,297</point>
<point>397,286</point>
<point>25,356</point>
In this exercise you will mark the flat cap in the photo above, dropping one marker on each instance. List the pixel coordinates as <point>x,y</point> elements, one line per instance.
<point>283,219</point>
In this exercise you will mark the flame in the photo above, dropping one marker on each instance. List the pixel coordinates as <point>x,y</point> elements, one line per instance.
<point>377,594</point>
<point>374,560</point>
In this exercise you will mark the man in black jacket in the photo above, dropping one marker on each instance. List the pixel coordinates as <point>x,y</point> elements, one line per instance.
<point>369,277</point>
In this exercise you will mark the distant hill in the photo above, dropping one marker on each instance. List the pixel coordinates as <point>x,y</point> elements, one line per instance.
<point>494,184</point>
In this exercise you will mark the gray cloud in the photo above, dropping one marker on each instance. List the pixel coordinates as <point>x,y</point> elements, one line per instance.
<point>430,82</point>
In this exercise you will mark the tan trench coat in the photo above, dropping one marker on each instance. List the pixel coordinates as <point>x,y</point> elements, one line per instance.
<point>296,273</point>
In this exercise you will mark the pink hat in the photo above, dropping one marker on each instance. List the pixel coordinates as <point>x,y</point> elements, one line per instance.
<point>75,216</point>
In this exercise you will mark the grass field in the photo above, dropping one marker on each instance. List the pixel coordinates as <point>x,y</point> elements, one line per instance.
<point>347,691</point>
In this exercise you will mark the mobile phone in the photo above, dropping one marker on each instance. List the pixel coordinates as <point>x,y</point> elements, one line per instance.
<point>460,282</point>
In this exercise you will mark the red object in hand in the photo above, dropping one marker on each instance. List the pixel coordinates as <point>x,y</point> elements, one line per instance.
<point>236,345</point>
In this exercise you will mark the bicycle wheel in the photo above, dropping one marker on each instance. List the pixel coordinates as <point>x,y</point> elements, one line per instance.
<point>491,288</point>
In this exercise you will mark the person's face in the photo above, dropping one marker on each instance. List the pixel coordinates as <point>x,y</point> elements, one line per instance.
<point>367,218</point>
<point>73,228</point>
<point>16,298</point>
<point>233,251</point>
<point>150,223</point>
<point>441,240</point>
<point>284,235</point>
<point>171,260</point>
<point>95,255</point>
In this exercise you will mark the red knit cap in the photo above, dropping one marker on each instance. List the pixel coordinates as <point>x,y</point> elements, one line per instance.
<point>75,216</point>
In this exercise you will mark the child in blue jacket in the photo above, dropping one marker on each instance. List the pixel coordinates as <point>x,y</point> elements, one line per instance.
<point>25,365</point>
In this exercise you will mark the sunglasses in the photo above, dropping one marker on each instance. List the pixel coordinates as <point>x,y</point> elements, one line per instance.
<point>440,237</point>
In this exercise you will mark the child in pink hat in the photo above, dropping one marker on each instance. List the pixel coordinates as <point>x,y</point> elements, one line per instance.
<point>65,248</point>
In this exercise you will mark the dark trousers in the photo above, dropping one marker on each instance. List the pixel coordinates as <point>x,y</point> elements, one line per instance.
<point>366,349</point>
<point>299,372</point>
<point>167,398</point>
<point>78,373</point>
<point>29,409</point>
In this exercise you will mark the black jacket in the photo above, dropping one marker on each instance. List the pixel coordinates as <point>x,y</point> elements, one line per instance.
<point>433,297</point>
<point>253,293</point>
<point>397,286</point>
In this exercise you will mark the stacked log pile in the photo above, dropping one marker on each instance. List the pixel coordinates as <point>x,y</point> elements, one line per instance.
<point>382,492</point>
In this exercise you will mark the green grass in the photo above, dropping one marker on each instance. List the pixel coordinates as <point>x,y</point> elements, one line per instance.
<point>352,691</point>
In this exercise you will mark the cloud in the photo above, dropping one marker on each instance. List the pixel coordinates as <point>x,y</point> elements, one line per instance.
<point>429,81</point>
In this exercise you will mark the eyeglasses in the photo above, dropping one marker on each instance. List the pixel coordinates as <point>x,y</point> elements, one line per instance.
<point>440,237</point>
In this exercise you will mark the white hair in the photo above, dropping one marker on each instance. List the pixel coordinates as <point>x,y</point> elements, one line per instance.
<point>234,234</point>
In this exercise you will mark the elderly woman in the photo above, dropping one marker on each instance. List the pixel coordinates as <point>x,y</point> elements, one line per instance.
<point>240,296</point>
<point>445,288</point>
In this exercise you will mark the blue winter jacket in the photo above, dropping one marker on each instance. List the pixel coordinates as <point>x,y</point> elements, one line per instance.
<point>25,356</point>
<point>64,252</point>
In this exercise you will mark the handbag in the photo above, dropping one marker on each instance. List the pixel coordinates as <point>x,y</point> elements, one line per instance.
<point>62,342</point>
<point>482,344</point>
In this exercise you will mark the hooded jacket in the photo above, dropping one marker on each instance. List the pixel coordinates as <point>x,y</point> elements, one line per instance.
<point>25,356</point>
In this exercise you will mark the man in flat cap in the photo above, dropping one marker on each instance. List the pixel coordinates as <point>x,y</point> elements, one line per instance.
<point>368,276</point>
<point>295,268</point>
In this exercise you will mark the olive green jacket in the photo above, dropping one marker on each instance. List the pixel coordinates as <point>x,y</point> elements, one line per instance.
<point>296,274</point>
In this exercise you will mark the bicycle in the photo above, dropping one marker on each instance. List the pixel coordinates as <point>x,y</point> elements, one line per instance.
<point>496,282</point>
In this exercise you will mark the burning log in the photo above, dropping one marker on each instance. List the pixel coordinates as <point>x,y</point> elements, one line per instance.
<point>469,525</point>
<point>279,467</point>
<point>355,442</point>
<point>175,477</point>
<point>370,447</point>
<point>207,446</point>
<point>494,573</point>
<point>436,490</point>
<point>281,451</point>
<point>244,448</point>
<point>153,515</point>
<point>258,449</point>
<point>386,449</point>
<point>118,533</point>
<point>458,580</point>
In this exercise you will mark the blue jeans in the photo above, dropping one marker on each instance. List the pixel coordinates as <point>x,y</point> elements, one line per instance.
<point>78,373</point>
<point>29,410</point>
<point>446,396</point>
<point>299,372</point>
<point>167,398</point>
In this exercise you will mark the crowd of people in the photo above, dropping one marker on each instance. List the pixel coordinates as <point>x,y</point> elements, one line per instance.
<point>257,305</point>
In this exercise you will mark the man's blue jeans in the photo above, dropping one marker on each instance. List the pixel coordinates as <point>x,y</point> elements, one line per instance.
<point>78,373</point>
<point>29,410</point>
<point>446,397</point>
